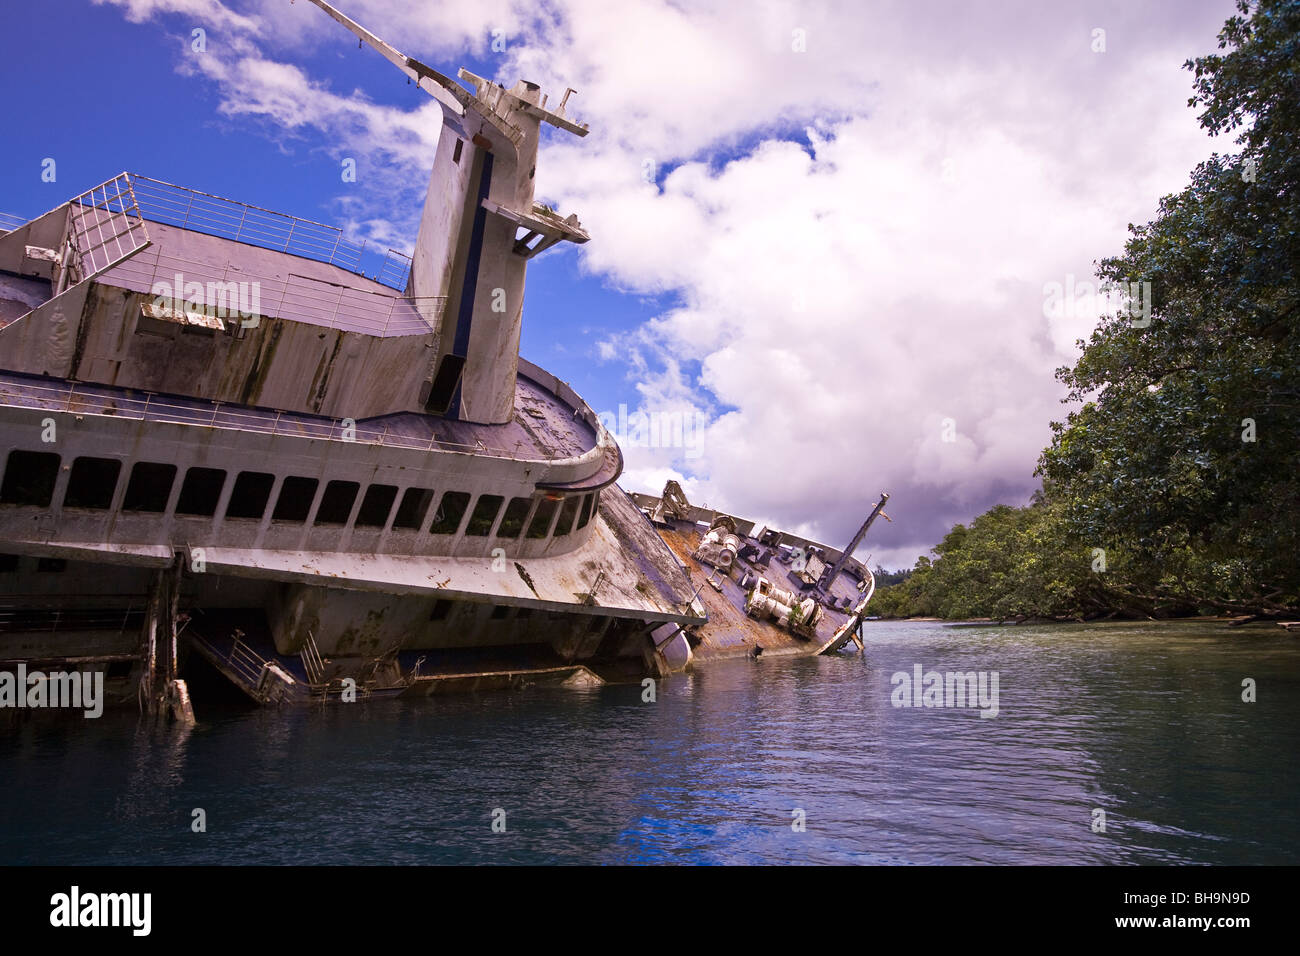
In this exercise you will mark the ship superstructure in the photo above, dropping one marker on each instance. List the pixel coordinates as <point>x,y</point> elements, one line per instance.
<point>210,424</point>
<point>217,434</point>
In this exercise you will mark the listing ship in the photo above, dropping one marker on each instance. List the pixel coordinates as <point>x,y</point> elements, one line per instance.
<point>224,445</point>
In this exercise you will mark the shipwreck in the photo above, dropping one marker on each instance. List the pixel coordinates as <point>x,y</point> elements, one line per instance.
<point>224,446</point>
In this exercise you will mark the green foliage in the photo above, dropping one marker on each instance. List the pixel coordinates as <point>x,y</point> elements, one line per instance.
<point>1010,563</point>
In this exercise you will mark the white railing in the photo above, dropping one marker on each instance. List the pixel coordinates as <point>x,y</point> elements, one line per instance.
<point>230,219</point>
<point>246,662</point>
<point>105,226</point>
<point>67,397</point>
<point>395,271</point>
<point>312,663</point>
<point>9,223</point>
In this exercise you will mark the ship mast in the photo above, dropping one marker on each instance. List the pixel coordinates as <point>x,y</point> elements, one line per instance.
<point>834,572</point>
<point>479,227</point>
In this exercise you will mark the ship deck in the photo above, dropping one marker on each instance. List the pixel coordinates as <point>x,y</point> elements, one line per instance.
<point>290,286</point>
<point>730,632</point>
<point>544,427</point>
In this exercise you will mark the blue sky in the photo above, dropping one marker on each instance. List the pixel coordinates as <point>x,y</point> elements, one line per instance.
<point>854,213</point>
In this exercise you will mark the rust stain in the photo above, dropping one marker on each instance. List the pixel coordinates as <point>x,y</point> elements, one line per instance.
<point>523,573</point>
<point>320,382</point>
<point>255,381</point>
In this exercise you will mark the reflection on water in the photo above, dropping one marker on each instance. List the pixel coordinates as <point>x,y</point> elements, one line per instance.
<point>1145,722</point>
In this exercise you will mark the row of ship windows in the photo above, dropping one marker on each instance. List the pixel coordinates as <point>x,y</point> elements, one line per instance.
<point>30,477</point>
<point>442,608</point>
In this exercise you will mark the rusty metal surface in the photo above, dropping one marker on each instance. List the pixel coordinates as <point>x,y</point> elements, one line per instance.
<point>746,527</point>
<point>730,632</point>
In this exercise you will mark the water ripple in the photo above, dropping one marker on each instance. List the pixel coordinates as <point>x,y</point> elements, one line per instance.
<point>1144,723</point>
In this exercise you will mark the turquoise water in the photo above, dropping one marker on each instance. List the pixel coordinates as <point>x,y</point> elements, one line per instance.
<point>1144,722</point>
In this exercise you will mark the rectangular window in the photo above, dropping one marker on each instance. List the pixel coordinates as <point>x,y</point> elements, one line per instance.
<point>336,503</point>
<point>523,613</point>
<point>92,483</point>
<point>440,610</point>
<point>200,492</point>
<point>484,516</point>
<point>414,506</point>
<point>51,565</point>
<point>588,508</point>
<point>149,488</point>
<point>541,523</point>
<point>567,513</point>
<point>296,496</point>
<point>8,563</point>
<point>30,478</point>
<point>512,525</point>
<point>450,510</point>
<point>376,505</point>
<point>500,612</point>
<point>250,495</point>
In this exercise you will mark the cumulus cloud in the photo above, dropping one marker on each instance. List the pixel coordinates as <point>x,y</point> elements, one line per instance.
<point>856,210</point>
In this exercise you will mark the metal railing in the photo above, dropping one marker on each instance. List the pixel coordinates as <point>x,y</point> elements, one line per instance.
<point>68,397</point>
<point>312,664</point>
<point>245,662</point>
<point>128,199</point>
<point>105,226</point>
<point>230,219</point>
<point>395,271</point>
<point>243,222</point>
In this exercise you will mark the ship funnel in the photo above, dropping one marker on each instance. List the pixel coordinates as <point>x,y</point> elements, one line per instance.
<point>478,229</point>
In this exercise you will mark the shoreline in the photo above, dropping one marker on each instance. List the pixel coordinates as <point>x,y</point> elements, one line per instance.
<point>1227,621</point>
